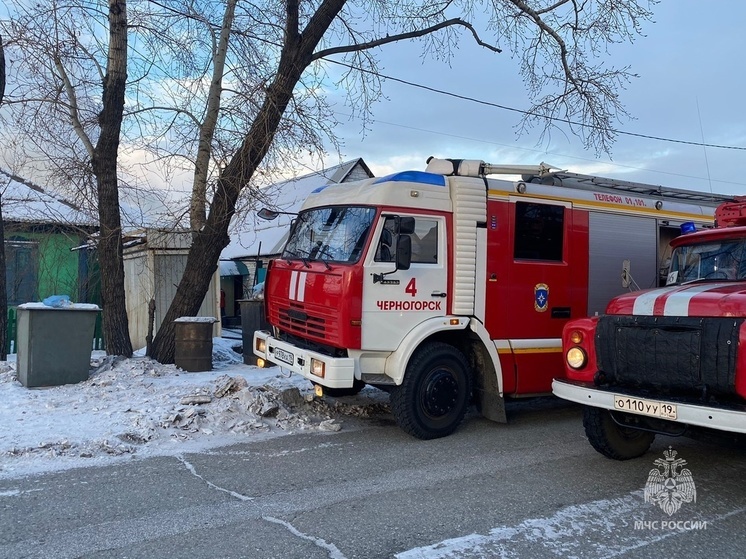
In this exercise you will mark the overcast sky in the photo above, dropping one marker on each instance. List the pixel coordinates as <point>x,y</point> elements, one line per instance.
<point>690,88</point>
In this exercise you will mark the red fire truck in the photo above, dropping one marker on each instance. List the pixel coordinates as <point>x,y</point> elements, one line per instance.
<point>445,284</point>
<point>667,360</point>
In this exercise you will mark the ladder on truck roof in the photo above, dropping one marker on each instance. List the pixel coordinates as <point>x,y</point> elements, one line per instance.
<point>590,182</point>
<point>551,175</point>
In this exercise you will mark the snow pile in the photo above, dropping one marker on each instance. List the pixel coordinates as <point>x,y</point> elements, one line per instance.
<point>138,407</point>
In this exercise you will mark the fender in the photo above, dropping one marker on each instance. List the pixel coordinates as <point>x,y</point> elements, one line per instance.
<point>489,345</point>
<point>396,363</point>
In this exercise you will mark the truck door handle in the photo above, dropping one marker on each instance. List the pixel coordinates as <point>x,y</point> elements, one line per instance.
<point>438,294</point>
<point>561,312</point>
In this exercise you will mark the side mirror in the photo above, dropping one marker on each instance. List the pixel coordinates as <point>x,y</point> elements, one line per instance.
<point>405,225</point>
<point>267,214</point>
<point>271,215</point>
<point>403,252</point>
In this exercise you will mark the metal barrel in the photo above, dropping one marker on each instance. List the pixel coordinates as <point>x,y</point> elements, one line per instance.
<point>193,351</point>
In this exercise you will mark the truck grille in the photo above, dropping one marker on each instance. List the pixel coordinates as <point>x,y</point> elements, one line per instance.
<point>670,354</point>
<point>307,321</point>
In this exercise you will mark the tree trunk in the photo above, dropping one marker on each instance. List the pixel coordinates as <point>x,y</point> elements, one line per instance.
<point>197,214</point>
<point>3,287</point>
<point>2,70</point>
<point>3,290</point>
<point>115,324</point>
<point>208,243</point>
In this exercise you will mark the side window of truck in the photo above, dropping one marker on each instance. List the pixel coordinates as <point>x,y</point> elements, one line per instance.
<point>538,231</point>
<point>424,242</point>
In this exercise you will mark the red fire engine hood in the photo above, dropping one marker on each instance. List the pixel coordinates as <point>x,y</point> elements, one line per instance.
<point>698,299</point>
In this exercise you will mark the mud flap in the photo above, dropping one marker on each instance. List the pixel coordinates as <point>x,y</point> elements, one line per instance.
<point>486,392</point>
<point>490,404</point>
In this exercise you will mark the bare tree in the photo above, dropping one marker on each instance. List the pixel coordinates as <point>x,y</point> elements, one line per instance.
<point>56,95</point>
<point>556,40</point>
<point>230,92</point>
<point>197,214</point>
<point>2,70</point>
<point>68,105</point>
<point>3,296</point>
<point>104,162</point>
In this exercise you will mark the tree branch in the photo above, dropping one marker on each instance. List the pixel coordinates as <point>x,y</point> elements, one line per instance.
<point>177,110</point>
<point>73,107</point>
<point>552,7</point>
<point>197,214</point>
<point>101,73</point>
<point>402,36</point>
<point>541,24</point>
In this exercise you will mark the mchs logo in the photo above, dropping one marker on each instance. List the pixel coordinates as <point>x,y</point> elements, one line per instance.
<point>670,485</point>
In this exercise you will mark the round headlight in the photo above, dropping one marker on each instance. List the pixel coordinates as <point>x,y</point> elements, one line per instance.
<point>576,357</point>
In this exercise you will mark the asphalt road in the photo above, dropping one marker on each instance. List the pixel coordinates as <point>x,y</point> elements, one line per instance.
<point>533,488</point>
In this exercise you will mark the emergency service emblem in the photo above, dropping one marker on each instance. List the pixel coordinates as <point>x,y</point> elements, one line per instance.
<point>541,297</point>
<point>670,484</point>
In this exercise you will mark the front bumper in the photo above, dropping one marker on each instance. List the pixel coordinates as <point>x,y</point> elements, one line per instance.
<point>339,372</point>
<point>723,419</point>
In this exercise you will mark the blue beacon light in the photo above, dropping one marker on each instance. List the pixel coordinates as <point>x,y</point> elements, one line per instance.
<point>688,227</point>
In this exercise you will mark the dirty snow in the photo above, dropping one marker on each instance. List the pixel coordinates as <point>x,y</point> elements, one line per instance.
<point>131,408</point>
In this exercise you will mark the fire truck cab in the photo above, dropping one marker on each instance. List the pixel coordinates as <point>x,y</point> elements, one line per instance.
<point>668,360</point>
<point>445,286</point>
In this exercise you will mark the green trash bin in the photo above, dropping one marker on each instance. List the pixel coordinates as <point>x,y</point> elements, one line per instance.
<point>54,344</point>
<point>193,340</point>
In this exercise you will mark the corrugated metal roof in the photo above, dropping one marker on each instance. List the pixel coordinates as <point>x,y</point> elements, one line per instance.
<point>233,268</point>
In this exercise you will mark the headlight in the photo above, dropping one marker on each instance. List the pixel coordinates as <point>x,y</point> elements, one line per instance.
<point>261,345</point>
<point>576,357</point>
<point>317,368</point>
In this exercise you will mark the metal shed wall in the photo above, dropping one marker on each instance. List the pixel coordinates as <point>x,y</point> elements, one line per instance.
<point>169,267</point>
<point>155,274</point>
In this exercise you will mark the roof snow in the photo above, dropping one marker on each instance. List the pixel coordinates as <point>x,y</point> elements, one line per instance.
<point>23,201</point>
<point>251,236</point>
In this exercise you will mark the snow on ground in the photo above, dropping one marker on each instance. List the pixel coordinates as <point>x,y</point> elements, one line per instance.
<point>138,407</point>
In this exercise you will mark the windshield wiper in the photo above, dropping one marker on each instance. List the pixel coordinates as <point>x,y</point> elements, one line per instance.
<point>317,253</point>
<point>303,259</point>
<point>324,250</point>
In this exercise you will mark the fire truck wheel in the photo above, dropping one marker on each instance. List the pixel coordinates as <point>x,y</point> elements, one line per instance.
<point>611,439</point>
<point>433,398</point>
<point>356,387</point>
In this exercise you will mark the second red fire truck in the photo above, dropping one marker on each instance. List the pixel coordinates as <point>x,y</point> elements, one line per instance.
<point>445,286</point>
<point>668,360</point>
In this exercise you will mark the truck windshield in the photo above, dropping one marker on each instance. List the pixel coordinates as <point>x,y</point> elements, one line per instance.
<point>331,234</point>
<point>719,260</point>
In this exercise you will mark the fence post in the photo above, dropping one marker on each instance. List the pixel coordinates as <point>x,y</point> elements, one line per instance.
<point>98,333</point>
<point>10,337</point>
